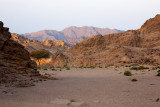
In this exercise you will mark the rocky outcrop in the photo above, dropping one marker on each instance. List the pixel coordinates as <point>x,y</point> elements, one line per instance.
<point>31,45</point>
<point>59,59</point>
<point>15,63</point>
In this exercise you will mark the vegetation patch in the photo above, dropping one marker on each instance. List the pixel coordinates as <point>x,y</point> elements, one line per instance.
<point>158,71</point>
<point>46,74</point>
<point>53,69</point>
<point>39,54</point>
<point>139,68</point>
<point>127,66</point>
<point>58,67</point>
<point>45,68</point>
<point>158,74</point>
<point>72,100</point>
<point>100,66</point>
<point>39,67</point>
<point>92,67</point>
<point>127,73</point>
<point>134,80</point>
<point>67,68</point>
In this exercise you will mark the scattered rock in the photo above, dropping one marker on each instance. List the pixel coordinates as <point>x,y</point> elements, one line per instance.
<point>157,100</point>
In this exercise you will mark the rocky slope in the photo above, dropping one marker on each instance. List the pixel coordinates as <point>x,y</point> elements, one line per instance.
<point>16,67</point>
<point>72,34</point>
<point>140,46</point>
<point>31,45</point>
<point>135,46</point>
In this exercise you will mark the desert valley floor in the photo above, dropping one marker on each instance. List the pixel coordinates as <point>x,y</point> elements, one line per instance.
<point>87,87</point>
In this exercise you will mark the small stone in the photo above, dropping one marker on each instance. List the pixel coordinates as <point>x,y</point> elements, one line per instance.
<point>157,99</point>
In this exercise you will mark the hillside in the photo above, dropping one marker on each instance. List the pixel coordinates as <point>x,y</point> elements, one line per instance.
<point>72,34</point>
<point>131,47</point>
<point>140,46</point>
<point>134,46</point>
<point>31,45</point>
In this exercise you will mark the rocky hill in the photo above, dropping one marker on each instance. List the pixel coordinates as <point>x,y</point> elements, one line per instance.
<point>31,45</point>
<point>16,67</point>
<point>131,47</point>
<point>135,46</point>
<point>72,34</point>
<point>140,46</point>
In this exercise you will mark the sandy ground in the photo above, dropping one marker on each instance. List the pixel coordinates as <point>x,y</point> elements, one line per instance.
<point>99,87</point>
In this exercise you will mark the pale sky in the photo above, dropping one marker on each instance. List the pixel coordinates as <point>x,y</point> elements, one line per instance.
<point>25,16</point>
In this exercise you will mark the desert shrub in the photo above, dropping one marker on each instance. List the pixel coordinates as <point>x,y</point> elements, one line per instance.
<point>134,80</point>
<point>158,74</point>
<point>127,66</point>
<point>72,100</point>
<point>67,68</point>
<point>81,67</point>
<point>53,69</point>
<point>47,74</point>
<point>39,67</point>
<point>92,67</point>
<point>134,64</point>
<point>20,86</point>
<point>139,68</point>
<point>127,73</point>
<point>45,69</point>
<point>142,67</point>
<point>100,67</point>
<point>58,67</point>
<point>39,54</point>
<point>158,71</point>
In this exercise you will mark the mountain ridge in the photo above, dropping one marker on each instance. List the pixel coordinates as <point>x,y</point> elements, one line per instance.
<point>71,32</point>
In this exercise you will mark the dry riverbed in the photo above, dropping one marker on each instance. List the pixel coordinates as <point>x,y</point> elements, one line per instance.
<point>87,87</point>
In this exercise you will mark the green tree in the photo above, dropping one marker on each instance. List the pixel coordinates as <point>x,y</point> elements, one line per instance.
<point>39,54</point>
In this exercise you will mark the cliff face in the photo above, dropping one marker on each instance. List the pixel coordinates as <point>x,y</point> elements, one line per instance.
<point>15,63</point>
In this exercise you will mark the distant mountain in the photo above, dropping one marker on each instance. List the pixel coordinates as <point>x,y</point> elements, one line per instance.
<point>73,33</point>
